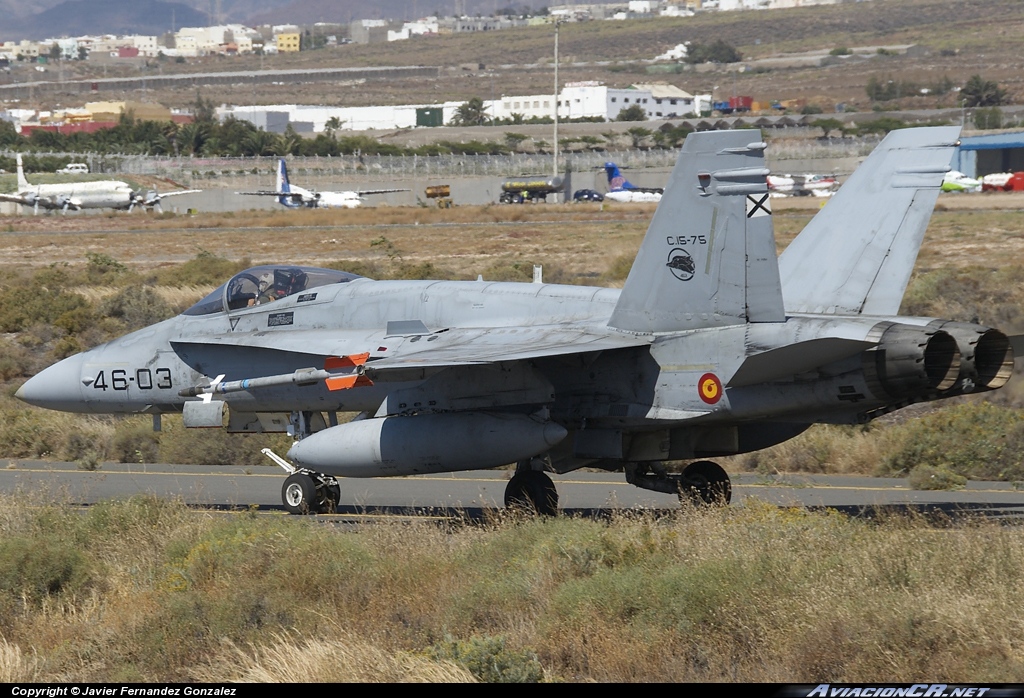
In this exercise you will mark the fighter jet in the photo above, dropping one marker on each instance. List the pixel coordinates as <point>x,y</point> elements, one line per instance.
<point>622,190</point>
<point>292,196</point>
<point>110,193</point>
<point>713,347</point>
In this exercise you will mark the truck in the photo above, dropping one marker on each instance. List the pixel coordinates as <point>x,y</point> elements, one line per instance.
<point>733,105</point>
<point>529,189</point>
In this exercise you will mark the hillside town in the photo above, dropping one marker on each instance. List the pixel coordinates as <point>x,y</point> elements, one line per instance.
<point>236,39</point>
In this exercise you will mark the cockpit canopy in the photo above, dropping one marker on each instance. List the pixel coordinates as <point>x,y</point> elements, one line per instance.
<point>266,284</point>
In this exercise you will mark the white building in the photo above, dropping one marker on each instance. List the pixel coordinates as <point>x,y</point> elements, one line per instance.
<point>418,28</point>
<point>642,7</point>
<point>148,45</point>
<point>583,99</point>
<point>588,99</point>
<point>528,106</point>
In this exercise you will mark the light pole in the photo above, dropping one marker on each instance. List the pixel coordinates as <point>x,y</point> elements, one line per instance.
<point>554,166</point>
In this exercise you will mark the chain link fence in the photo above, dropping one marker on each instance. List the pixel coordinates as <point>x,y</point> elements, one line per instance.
<point>261,171</point>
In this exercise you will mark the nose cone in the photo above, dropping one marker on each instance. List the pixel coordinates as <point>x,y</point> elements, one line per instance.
<point>59,387</point>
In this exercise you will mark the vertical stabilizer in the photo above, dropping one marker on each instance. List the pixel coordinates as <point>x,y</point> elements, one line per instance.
<point>708,259</point>
<point>616,182</point>
<point>23,184</point>
<point>282,177</point>
<point>857,254</point>
<point>284,188</point>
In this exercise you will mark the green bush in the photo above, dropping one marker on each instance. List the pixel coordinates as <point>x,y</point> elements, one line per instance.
<point>35,568</point>
<point>136,307</point>
<point>927,477</point>
<point>490,659</point>
<point>973,440</point>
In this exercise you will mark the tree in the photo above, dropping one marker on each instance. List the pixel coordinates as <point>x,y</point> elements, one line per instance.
<point>204,110</point>
<point>512,140</point>
<point>333,124</point>
<point>55,52</point>
<point>978,92</point>
<point>637,134</point>
<point>988,118</point>
<point>718,52</point>
<point>471,113</point>
<point>634,112</point>
<point>828,125</point>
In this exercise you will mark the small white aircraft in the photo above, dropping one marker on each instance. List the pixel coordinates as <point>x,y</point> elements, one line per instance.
<point>802,185</point>
<point>291,196</point>
<point>75,196</point>
<point>959,182</point>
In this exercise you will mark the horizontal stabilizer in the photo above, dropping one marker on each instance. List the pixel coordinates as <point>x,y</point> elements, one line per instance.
<point>856,255</point>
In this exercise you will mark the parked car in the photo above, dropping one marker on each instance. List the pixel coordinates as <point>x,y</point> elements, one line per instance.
<point>587,195</point>
<point>74,168</point>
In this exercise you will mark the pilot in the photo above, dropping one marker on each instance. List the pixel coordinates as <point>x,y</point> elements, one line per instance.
<point>282,283</point>
<point>266,290</point>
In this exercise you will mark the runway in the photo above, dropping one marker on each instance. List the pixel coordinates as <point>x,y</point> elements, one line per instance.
<point>478,494</point>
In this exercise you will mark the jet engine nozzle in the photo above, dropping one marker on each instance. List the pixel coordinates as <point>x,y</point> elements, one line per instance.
<point>429,443</point>
<point>986,356</point>
<point>911,361</point>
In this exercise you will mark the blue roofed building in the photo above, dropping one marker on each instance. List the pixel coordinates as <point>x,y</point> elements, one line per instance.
<point>978,156</point>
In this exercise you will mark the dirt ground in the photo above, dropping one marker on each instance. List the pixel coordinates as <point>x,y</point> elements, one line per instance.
<point>577,240</point>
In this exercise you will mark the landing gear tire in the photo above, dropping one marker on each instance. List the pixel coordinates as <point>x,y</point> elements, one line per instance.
<point>705,482</point>
<point>532,491</point>
<point>299,494</point>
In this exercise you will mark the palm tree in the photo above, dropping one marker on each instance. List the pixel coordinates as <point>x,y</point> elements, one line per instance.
<point>978,92</point>
<point>471,113</point>
<point>333,124</point>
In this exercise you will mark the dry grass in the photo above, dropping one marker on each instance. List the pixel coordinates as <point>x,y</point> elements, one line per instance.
<point>344,659</point>
<point>751,594</point>
<point>582,241</point>
<point>17,666</point>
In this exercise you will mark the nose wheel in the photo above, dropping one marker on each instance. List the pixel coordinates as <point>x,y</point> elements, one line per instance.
<point>306,491</point>
<point>302,493</point>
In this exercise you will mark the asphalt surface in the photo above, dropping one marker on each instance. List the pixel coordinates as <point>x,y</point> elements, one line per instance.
<point>477,494</point>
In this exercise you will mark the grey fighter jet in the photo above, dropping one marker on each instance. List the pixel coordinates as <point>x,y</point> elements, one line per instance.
<point>713,347</point>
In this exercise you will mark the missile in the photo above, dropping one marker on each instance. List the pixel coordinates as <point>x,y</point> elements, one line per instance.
<point>352,377</point>
<point>428,443</point>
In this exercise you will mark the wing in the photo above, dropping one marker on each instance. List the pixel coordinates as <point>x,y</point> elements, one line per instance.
<point>294,196</point>
<point>442,349</point>
<point>366,192</point>
<point>14,198</point>
<point>184,191</point>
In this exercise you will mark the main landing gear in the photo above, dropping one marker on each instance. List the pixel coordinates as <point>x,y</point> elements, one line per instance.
<point>531,491</point>
<point>701,482</point>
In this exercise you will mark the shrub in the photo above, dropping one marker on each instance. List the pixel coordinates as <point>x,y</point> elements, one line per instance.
<point>927,477</point>
<point>136,307</point>
<point>490,659</point>
<point>37,567</point>
<point>973,440</point>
